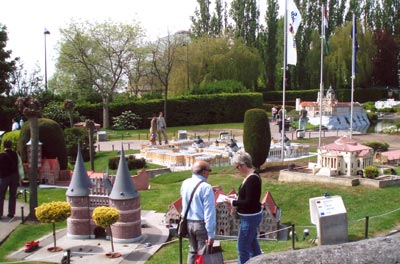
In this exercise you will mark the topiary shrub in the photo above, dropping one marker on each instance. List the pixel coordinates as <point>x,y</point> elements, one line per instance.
<point>76,135</point>
<point>371,172</point>
<point>52,138</point>
<point>131,161</point>
<point>256,135</point>
<point>13,136</point>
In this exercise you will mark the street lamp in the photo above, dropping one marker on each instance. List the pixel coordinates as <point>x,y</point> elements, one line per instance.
<point>46,32</point>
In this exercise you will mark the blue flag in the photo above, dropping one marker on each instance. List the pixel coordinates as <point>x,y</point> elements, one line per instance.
<point>355,44</point>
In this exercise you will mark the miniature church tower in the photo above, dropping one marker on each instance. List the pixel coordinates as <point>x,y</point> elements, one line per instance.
<point>125,198</point>
<point>78,224</point>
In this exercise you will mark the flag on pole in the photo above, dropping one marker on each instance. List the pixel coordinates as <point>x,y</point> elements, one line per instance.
<point>293,22</point>
<point>354,44</point>
<point>325,28</point>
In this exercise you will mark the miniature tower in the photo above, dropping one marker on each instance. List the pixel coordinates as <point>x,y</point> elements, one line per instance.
<point>125,198</point>
<point>78,224</point>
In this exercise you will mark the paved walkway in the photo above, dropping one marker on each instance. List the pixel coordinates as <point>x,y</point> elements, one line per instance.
<point>291,134</point>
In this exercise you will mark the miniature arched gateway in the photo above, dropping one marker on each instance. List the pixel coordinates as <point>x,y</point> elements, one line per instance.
<point>84,195</point>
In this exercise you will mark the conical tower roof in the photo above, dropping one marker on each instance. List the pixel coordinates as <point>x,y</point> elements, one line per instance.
<point>123,188</point>
<point>80,182</point>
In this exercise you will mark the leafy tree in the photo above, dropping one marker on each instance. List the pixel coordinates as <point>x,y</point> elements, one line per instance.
<point>51,213</point>
<point>163,61</point>
<point>245,14</point>
<point>268,43</point>
<point>217,20</point>
<point>7,66</point>
<point>106,216</point>
<point>201,19</point>
<point>101,51</point>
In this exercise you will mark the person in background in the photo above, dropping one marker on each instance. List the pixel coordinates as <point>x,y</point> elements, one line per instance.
<point>153,129</point>
<point>9,178</point>
<point>15,125</point>
<point>248,207</point>
<point>21,123</point>
<point>202,215</point>
<point>274,111</point>
<point>161,128</point>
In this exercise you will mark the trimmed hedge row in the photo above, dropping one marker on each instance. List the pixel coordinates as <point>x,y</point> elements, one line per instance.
<point>185,110</point>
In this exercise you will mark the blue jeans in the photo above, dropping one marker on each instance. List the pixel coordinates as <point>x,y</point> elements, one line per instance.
<point>247,244</point>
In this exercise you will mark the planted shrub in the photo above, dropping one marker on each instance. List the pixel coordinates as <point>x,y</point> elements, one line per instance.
<point>13,136</point>
<point>371,172</point>
<point>377,146</point>
<point>257,135</point>
<point>131,161</point>
<point>127,120</point>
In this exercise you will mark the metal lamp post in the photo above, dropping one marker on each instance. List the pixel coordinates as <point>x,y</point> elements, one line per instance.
<point>46,32</point>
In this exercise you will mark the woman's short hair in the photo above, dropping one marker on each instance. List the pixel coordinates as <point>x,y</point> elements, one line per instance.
<point>242,157</point>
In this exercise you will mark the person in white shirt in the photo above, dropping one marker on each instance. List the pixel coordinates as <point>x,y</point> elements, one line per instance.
<point>15,125</point>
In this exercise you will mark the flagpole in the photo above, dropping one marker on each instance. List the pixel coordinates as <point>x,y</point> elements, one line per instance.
<point>321,85</point>
<point>284,84</point>
<point>353,73</point>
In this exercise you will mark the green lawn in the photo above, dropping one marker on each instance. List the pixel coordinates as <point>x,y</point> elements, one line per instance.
<point>203,130</point>
<point>381,205</point>
<point>291,198</point>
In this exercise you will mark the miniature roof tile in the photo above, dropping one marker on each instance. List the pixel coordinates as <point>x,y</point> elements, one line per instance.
<point>80,182</point>
<point>124,187</point>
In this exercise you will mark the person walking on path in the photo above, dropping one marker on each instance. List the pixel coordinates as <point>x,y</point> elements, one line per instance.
<point>248,207</point>
<point>161,128</point>
<point>153,130</point>
<point>9,178</point>
<point>201,218</point>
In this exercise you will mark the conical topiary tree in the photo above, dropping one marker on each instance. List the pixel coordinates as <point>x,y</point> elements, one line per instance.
<point>256,135</point>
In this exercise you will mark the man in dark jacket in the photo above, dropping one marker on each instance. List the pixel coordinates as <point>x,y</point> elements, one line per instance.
<point>9,178</point>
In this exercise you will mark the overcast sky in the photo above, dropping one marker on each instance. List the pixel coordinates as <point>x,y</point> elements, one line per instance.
<point>27,19</point>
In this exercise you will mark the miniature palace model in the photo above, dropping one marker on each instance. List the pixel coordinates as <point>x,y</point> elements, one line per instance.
<point>335,114</point>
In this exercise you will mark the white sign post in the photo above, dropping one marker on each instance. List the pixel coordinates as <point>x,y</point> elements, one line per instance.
<point>330,217</point>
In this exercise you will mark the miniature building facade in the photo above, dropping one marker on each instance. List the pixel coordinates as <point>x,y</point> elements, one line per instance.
<point>335,114</point>
<point>344,157</point>
<point>227,224</point>
<point>85,194</point>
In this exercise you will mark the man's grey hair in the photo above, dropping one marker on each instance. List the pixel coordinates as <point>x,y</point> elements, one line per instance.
<point>242,157</point>
<point>199,168</point>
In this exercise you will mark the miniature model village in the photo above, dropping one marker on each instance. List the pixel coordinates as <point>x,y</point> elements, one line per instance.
<point>342,159</point>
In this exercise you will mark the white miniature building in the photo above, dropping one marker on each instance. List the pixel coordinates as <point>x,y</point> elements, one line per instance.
<point>335,114</point>
<point>342,157</point>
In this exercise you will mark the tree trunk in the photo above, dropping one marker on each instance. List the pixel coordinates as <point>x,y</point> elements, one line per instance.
<point>91,151</point>
<point>33,169</point>
<point>71,121</point>
<point>106,114</point>
<point>54,236</point>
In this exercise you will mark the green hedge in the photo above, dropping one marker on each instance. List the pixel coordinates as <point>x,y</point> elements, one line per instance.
<point>185,110</point>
